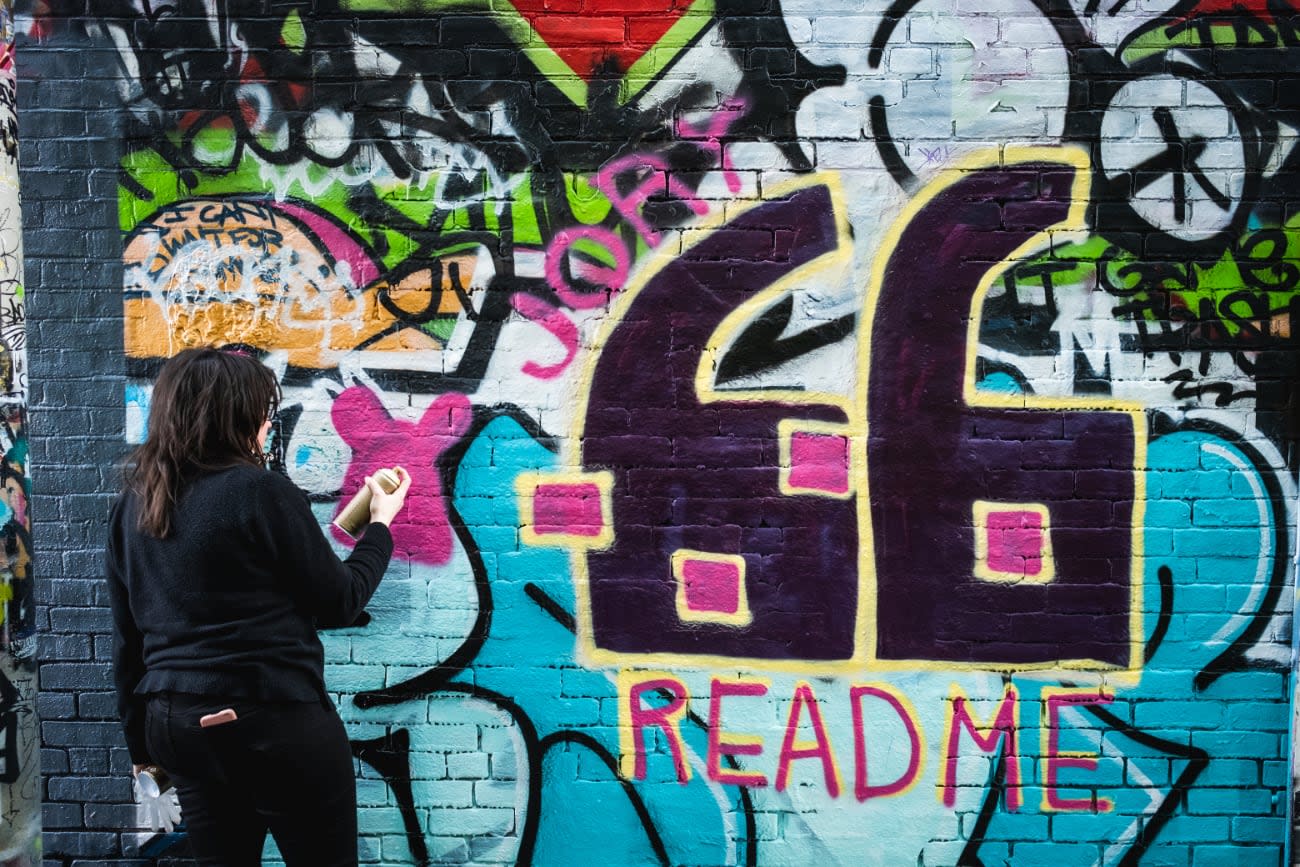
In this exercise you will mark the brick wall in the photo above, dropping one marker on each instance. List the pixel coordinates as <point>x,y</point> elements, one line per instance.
<point>830,418</point>
<point>20,802</point>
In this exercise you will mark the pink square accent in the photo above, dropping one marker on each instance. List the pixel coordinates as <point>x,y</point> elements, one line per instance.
<point>572,509</point>
<point>711,586</point>
<point>819,462</point>
<point>1015,542</point>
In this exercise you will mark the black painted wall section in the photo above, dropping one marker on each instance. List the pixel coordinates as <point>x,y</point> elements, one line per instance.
<point>70,112</point>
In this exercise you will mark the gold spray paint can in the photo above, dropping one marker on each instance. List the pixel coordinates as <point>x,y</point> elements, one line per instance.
<point>356,514</point>
<point>154,781</point>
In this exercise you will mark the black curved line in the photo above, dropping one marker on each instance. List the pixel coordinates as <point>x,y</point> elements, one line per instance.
<point>199,125</point>
<point>390,755</point>
<point>533,752</point>
<point>893,17</point>
<point>439,676</point>
<point>396,328</point>
<point>647,823</point>
<point>751,825</point>
<point>1234,655</point>
<point>995,791</point>
<point>746,800</point>
<point>1087,63</point>
<point>413,265</point>
<point>134,187</point>
<point>1166,578</point>
<point>1170,17</point>
<point>1197,761</point>
<point>985,368</point>
<point>761,347</point>
<point>550,606</point>
<point>307,230</point>
<point>889,154</point>
<point>1089,66</point>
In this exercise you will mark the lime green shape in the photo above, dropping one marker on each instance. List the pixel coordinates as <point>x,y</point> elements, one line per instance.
<point>653,63</point>
<point>588,203</point>
<point>215,144</point>
<point>1205,288</point>
<point>1223,36</point>
<point>441,327</point>
<point>293,34</point>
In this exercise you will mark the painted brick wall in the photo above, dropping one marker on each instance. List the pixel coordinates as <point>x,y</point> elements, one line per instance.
<point>844,432</point>
<point>20,783</point>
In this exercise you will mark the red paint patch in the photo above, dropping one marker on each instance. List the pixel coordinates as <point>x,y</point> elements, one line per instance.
<point>1261,9</point>
<point>608,37</point>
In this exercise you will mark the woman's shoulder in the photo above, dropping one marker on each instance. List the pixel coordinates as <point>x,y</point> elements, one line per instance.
<point>245,481</point>
<point>121,508</point>
<point>245,490</point>
<point>269,483</point>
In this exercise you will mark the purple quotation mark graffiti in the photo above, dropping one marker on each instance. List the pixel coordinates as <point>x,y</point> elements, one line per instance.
<point>1047,495</point>
<point>695,476</point>
<point>999,534</point>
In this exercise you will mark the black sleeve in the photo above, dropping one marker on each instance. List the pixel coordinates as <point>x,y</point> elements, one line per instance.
<point>128,644</point>
<point>333,591</point>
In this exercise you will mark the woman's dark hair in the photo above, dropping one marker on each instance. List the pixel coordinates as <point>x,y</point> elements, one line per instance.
<point>207,408</point>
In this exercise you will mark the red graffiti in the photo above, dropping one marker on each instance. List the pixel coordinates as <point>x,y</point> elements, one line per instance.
<point>592,40</point>
<point>653,180</point>
<point>1264,10</point>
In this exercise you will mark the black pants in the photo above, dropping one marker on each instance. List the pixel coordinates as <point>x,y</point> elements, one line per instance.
<point>283,767</point>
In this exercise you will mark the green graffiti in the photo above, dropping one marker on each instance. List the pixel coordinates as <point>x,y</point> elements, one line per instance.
<point>293,34</point>
<point>1245,295</point>
<point>1205,32</point>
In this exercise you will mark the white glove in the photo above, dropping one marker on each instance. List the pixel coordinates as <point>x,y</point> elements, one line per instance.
<point>163,812</point>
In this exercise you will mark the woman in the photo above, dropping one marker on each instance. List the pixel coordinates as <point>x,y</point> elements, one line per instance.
<point>219,576</point>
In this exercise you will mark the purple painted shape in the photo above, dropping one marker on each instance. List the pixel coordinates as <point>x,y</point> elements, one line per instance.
<point>1015,542</point>
<point>819,461</point>
<point>706,476</point>
<point>930,457</point>
<point>711,586</point>
<point>567,508</point>
<point>336,241</point>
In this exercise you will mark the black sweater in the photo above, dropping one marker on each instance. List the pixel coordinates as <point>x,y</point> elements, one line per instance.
<point>228,604</point>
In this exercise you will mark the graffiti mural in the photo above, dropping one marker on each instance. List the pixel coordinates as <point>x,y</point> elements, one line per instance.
<point>825,419</point>
<point>20,780</point>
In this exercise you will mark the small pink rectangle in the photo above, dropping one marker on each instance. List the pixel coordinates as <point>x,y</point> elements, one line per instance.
<point>567,509</point>
<point>711,586</point>
<point>819,462</point>
<point>1015,542</point>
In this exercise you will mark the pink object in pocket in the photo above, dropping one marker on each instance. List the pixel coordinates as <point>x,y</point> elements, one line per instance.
<point>219,718</point>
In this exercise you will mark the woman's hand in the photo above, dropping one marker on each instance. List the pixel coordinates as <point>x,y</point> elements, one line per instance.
<point>384,506</point>
<point>136,769</point>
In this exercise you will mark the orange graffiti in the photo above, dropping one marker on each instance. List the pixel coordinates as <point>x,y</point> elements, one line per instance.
<point>214,272</point>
